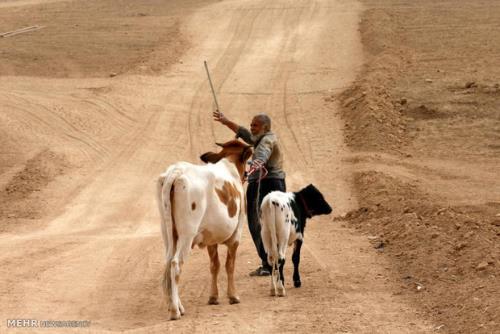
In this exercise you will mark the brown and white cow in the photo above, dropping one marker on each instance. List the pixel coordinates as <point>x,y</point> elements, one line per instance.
<point>203,205</point>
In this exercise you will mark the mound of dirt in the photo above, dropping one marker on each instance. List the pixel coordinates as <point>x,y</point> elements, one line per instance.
<point>22,197</point>
<point>447,258</point>
<point>374,119</point>
<point>424,120</point>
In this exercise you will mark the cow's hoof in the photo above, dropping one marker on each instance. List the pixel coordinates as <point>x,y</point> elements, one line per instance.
<point>213,300</point>
<point>175,315</point>
<point>297,284</point>
<point>281,293</point>
<point>234,300</point>
<point>273,292</point>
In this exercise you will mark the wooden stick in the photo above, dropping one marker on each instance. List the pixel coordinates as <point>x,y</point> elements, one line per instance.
<point>20,31</point>
<point>10,32</point>
<point>211,86</point>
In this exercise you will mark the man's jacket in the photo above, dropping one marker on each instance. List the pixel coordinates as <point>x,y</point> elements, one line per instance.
<point>267,149</point>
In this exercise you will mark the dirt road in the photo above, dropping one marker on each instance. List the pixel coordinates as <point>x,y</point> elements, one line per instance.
<point>92,249</point>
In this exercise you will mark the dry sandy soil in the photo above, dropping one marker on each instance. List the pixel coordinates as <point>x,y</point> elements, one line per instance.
<point>390,107</point>
<point>423,123</point>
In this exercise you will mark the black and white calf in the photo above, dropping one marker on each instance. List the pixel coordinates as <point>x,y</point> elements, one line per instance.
<point>283,219</point>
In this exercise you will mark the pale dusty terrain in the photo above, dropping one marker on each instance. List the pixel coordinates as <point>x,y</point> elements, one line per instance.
<point>109,93</point>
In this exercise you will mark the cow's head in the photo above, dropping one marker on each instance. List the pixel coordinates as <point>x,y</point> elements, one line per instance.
<point>315,202</point>
<point>234,150</point>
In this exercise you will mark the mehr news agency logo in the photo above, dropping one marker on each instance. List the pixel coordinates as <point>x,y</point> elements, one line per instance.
<point>34,323</point>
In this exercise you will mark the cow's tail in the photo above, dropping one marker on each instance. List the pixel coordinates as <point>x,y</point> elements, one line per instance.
<point>274,251</point>
<point>165,190</point>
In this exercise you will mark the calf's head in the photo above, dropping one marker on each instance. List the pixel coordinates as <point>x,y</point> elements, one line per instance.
<point>314,201</point>
<point>234,150</point>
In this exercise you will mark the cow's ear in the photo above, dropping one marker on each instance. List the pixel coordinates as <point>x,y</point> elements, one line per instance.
<point>219,144</point>
<point>247,153</point>
<point>210,157</point>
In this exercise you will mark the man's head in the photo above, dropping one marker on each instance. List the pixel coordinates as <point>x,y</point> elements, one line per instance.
<point>261,124</point>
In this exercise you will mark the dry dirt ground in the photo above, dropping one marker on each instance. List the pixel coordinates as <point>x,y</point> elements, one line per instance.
<point>389,107</point>
<point>423,123</point>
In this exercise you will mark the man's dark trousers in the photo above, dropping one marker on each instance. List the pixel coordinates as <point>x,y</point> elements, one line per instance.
<point>266,186</point>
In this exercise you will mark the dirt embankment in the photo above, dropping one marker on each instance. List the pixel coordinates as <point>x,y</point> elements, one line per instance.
<point>21,198</point>
<point>424,122</point>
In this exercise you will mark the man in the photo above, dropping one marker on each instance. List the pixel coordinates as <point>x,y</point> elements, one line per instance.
<point>267,152</point>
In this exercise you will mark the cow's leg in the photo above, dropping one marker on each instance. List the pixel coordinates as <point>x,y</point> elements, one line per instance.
<point>230,261</point>
<point>214,270</point>
<point>182,252</point>
<point>167,284</point>
<point>281,278</point>
<point>296,260</point>
<point>175,271</point>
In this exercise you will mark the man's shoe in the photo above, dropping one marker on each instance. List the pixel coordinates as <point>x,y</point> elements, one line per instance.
<point>261,271</point>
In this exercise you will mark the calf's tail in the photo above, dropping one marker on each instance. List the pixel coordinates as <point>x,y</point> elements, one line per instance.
<point>273,251</point>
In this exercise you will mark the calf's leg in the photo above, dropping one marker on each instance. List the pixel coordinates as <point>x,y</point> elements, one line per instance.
<point>296,260</point>
<point>281,278</point>
<point>274,277</point>
<point>214,270</point>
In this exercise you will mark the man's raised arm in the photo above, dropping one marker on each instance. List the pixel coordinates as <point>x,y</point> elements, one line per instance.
<point>240,131</point>
<point>219,117</point>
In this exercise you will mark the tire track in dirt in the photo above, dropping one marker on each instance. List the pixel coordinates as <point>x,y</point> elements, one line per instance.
<point>41,110</point>
<point>121,119</point>
<point>93,194</point>
<point>50,125</point>
<point>279,96</point>
<point>287,65</point>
